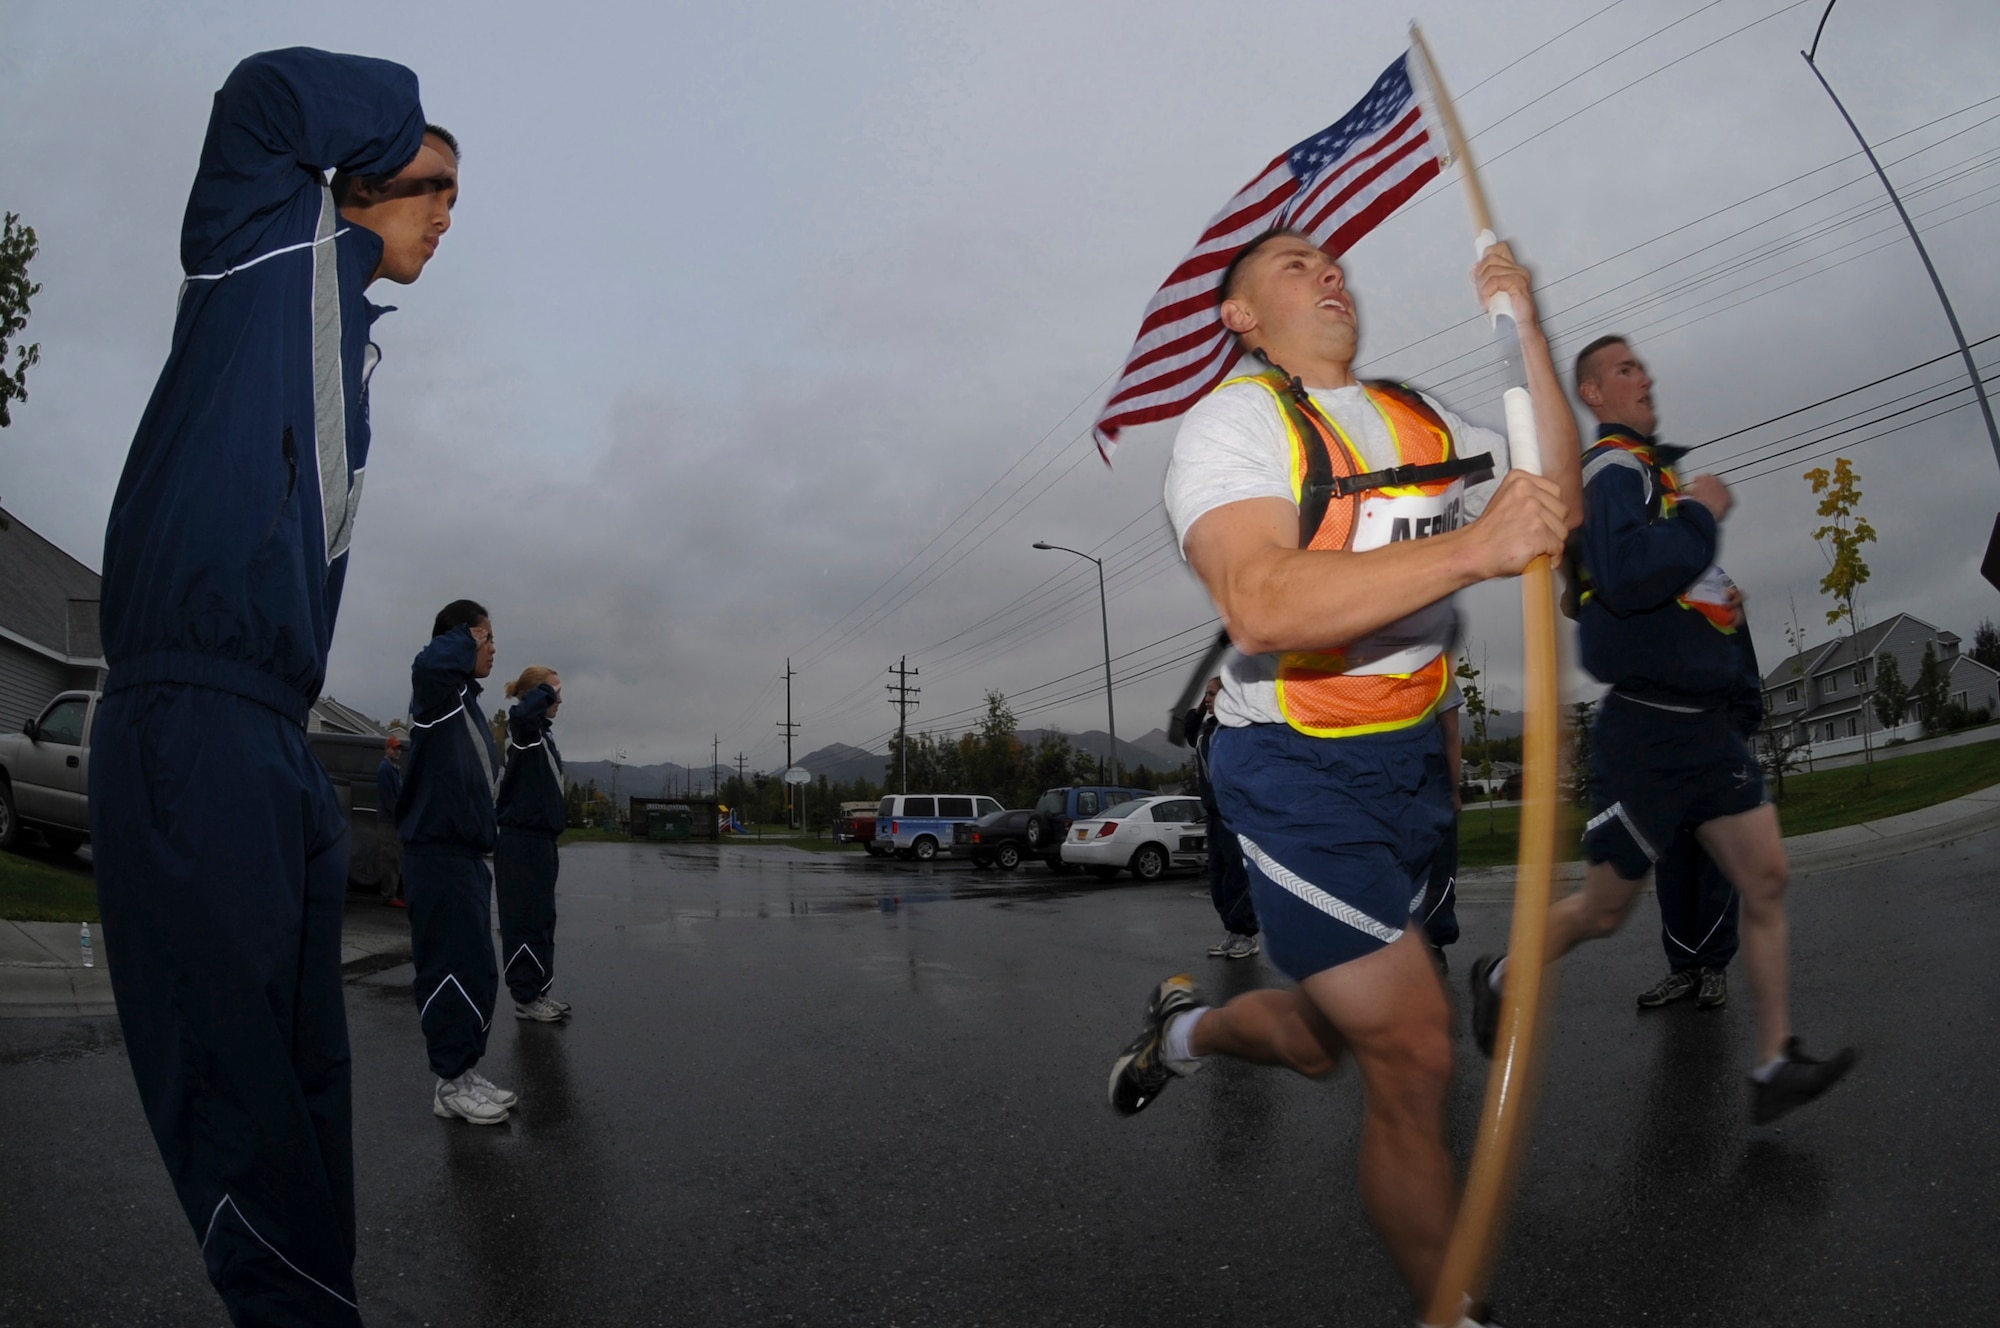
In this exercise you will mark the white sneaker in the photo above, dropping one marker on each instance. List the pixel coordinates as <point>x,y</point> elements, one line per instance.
<point>461,1098</point>
<point>498,1096</point>
<point>1239,946</point>
<point>541,1010</point>
<point>560,1005</point>
<point>1221,947</point>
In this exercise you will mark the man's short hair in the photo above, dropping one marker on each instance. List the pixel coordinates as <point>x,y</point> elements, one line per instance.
<point>1583,357</point>
<point>343,183</point>
<point>1228,287</point>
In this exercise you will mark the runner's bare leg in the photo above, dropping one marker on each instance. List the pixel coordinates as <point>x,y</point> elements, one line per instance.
<point>1750,850</point>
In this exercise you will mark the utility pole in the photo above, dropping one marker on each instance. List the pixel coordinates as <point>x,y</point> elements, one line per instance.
<point>789,727</point>
<point>1104,620</point>
<point>900,694</point>
<point>715,765</point>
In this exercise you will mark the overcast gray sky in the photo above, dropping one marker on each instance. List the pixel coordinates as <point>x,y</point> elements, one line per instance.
<point>752,312</point>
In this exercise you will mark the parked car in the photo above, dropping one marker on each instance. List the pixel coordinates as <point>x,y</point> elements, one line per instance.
<point>1059,808</point>
<point>920,824</point>
<point>45,774</point>
<point>45,782</point>
<point>856,825</point>
<point>1002,839</point>
<point>1145,836</point>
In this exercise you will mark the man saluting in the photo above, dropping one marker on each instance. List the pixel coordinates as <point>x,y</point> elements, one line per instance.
<point>1332,522</point>
<point>221,850</point>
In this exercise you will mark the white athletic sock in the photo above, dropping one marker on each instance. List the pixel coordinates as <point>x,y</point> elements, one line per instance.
<point>1493,973</point>
<point>1764,1073</point>
<point>1178,1046</point>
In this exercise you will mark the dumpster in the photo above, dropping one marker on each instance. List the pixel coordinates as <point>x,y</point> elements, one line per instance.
<point>673,821</point>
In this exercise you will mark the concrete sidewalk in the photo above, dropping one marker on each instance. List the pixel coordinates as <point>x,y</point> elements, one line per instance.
<point>42,973</point>
<point>1824,850</point>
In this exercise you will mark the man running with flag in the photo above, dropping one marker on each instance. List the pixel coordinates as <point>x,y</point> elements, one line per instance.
<point>1332,521</point>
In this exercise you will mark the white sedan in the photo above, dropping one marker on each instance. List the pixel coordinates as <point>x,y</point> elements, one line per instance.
<point>1144,836</point>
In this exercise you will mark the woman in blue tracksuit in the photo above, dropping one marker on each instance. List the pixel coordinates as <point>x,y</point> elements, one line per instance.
<point>445,815</point>
<point>531,816</point>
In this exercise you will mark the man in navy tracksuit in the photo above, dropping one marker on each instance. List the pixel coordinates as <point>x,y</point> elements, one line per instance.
<point>221,851</point>
<point>446,818</point>
<point>388,788</point>
<point>1657,622</point>
<point>1228,878</point>
<point>525,861</point>
<point>1698,906</point>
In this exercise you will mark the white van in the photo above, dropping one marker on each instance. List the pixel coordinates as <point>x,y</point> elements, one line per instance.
<point>918,825</point>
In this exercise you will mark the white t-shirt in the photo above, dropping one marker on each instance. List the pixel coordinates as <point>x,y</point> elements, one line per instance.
<point>1233,446</point>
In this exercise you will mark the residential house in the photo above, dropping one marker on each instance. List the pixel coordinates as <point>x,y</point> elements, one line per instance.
<point>1822,696</point>
<point>48,623</point>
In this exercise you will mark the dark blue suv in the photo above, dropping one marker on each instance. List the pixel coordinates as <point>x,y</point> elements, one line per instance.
<point>1056,809</point>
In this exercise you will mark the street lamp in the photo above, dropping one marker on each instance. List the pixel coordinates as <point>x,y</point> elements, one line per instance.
<point>1104,616</point>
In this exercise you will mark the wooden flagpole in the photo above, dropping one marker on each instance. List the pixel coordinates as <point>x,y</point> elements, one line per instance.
<point>1489,1184</point>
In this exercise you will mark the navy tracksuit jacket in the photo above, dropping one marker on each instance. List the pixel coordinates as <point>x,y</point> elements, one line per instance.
<point>445,816</point>
<point>221,850</point>
<point>531,816</point>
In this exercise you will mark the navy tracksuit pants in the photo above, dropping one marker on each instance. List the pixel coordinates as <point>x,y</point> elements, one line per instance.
<point>1228,878</point>
<point>221,858</point>
<point>524,874</point>
<point>1698,906</point>
<point>449,893</point>
<point>1437,911</point>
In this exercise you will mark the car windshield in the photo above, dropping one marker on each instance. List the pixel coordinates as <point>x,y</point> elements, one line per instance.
<point>1121,811</point>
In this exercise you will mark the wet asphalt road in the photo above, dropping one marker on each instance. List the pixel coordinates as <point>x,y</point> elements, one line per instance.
<point>805,1090</point>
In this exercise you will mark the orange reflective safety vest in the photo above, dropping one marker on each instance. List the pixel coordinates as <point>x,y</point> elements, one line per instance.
<point>1395,677</point>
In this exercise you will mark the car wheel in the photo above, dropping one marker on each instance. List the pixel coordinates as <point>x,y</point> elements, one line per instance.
<point>1149,863</point>
<point>1008,856</point>
<point>1105,873</point>
<point>1038,834</point>
<point>924,849</point>
<point>10,825</point>
<point>62,842</point>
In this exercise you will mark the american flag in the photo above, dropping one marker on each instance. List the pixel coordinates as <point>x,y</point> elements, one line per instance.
<point>1336,187</point>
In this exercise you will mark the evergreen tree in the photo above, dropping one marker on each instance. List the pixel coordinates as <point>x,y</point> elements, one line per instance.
<point>1892,694</point>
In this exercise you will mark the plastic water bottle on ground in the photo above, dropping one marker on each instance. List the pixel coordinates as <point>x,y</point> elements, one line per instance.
<point>89,961</point>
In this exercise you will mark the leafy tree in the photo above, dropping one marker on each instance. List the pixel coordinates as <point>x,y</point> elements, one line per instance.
<point>1477,711</point>
<point>18,248</point>
<point>1892,694</point>
<point>1840,539</point>
<point>1986,643</point>
<point>1579,773</point>
<point>1933,689</point>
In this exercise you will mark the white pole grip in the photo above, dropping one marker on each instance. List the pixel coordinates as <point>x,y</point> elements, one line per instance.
<point>1524,445</point>
<point>1501,305</point>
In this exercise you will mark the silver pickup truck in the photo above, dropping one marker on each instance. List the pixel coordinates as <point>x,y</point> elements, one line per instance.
<point>45,774</point>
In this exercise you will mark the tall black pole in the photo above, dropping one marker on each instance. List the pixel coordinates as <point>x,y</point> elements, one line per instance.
<point>1104,616</point>
<point>1951,315</point>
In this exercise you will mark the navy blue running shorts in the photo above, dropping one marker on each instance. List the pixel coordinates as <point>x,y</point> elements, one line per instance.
<point>1653,770</point>
<point>1337,834</point>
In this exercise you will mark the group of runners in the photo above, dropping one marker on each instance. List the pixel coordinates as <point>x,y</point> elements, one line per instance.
<point>1290,489</point>
<point>222,851</point>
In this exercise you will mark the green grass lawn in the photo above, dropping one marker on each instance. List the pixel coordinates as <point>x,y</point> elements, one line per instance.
<point>35,891</point>
<point>1824,800</point>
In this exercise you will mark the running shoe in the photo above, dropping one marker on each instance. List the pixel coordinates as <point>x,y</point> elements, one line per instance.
<point>498,1096</point>
<point>1681,982</point>
<point>1714,992</point>
<point>560,1005</point>
<point>1798,1081</point>
<point>1485,1003</point>
<point>1221,947</point>
<point>1240,946</point>
<point>542,1010</point>
<point>1141,1071</point>
<point>461,1099</point>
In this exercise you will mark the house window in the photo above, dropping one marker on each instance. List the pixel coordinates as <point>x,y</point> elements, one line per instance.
<point>1829,733</point>
<point>1852,728</point>
<point>1829,684</point>
<point>1861,675</point>
<point>1791,693</point>
<point>1958,699</point>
